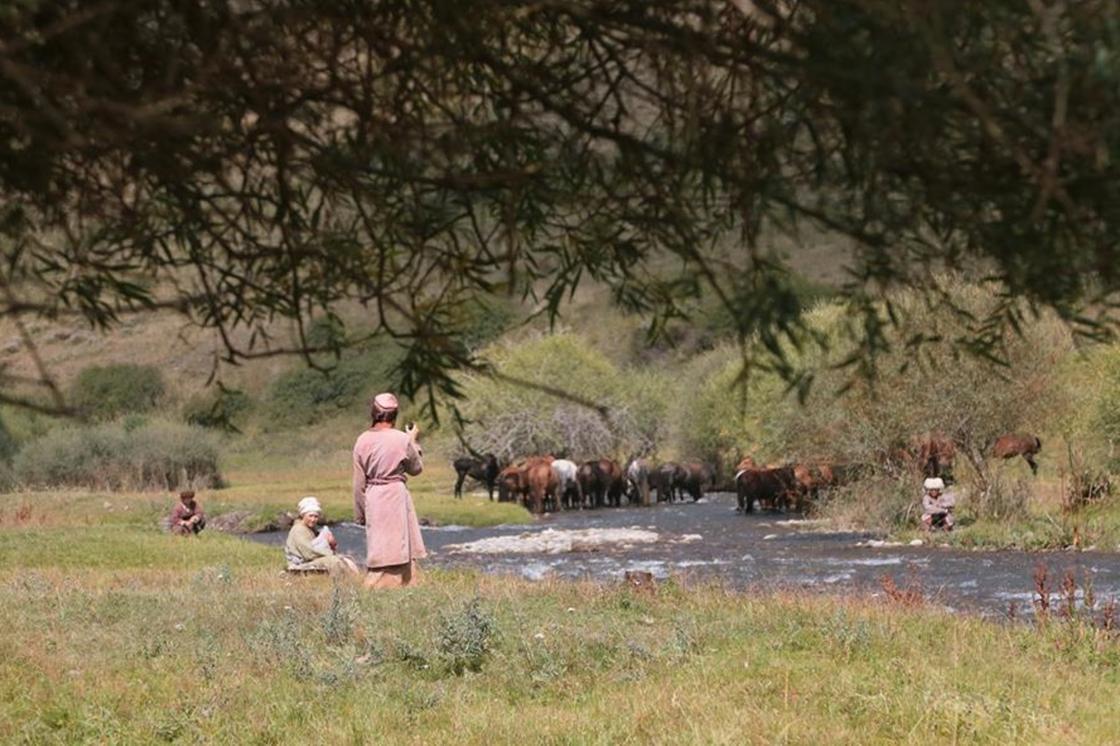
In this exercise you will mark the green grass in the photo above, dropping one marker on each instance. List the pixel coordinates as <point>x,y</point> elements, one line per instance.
<point>264,491</point>
<point>127,547</point>
<point>220,651</point>
<point>1042,527</point>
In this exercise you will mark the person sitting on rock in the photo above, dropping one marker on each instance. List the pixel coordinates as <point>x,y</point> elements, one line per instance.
<point>937,505</point>
<point>187,518</point>
<point>311,546</point>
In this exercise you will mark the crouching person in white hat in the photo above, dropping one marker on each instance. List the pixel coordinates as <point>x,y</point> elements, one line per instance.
<point>937,505</point>
<point>311,546</point>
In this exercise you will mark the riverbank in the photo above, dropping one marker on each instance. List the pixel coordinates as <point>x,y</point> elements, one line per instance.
<point>1093,528</point>
<point>207,641</point>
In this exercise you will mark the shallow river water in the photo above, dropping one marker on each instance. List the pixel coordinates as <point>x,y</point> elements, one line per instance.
<point>708,539</point>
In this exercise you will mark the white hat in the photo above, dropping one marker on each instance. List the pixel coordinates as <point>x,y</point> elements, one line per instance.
<point>934,483</point>
<point>310,505</point>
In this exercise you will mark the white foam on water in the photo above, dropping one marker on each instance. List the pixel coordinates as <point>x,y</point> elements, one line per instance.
<point>451,528</point>
<point>536,570</point>
<point>700,563</point>
<point>556,541</point>
<point>874,561</point>
<point>657,568</point>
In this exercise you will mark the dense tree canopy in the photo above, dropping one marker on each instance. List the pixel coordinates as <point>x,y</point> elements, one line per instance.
<point>244,160</point>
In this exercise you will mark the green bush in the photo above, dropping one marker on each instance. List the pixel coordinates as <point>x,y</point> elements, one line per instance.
<point>218,408</point>
<point>540,402</point>
<point>105,392</point>
<point>305,396</point>
<point>156,455</point>
<point>881,501</point>
<point>465,637</point>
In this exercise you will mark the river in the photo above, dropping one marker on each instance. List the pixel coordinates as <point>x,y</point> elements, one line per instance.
<point>709,540</point>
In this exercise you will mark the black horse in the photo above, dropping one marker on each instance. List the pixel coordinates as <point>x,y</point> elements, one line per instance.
<point>485,469</point>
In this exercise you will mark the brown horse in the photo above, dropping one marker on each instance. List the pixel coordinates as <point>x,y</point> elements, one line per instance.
<point>930,454</point>
<point>511,484</point>
<point>771,488</point>
<point>1018,444</point>
<point>541,484</point>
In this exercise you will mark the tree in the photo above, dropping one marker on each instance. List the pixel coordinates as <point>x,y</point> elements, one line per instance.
<point>247,161</point>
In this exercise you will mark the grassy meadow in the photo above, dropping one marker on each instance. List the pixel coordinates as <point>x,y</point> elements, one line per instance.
<point>207,641</point>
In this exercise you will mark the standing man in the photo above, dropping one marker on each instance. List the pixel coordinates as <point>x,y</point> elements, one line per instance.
<point>384,458</point>
<point>937,505</point>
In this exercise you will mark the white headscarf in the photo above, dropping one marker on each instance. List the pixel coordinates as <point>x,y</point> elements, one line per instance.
<point>310,504</point>
<point>934,483</point>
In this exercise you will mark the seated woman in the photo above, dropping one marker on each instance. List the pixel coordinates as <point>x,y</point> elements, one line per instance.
<point>311,547</point>
<point>937,505</point>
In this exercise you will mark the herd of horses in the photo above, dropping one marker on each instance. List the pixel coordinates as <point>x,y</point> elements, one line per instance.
<point>546,483</point>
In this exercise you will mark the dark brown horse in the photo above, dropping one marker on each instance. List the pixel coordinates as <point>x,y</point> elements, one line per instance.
<point>601,482</point>
<point>771,488</point>
<point>483,469</point>
<point>930,454</point>
<point>697,476</point>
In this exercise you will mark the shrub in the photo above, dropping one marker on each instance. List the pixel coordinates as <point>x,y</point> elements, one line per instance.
<point>523,412</point>
<point>219,408</point>
<point>880,501</point>
<point>1003,500</point>
<point>105,392</point>
<point>465,637</point>
<point>158,455</point>
<point>305,396</point>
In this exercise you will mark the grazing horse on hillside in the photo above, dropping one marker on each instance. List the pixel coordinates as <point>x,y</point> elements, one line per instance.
<point>1016,444</point>
<point>930,454</point>
<point>485,469</point>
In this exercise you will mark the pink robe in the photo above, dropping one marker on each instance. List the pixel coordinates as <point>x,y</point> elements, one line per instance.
<point>383,459</point>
